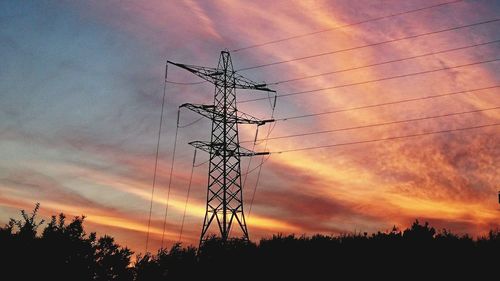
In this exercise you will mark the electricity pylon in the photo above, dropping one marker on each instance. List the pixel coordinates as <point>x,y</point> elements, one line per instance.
<point>224,194</point>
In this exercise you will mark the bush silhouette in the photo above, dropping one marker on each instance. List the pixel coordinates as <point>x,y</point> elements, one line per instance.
<point>63,251</point>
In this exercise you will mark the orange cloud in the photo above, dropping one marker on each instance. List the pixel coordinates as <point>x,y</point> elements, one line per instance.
<point>449,179</point>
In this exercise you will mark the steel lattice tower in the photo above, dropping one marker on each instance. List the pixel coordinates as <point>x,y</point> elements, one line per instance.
<point>224,193</point>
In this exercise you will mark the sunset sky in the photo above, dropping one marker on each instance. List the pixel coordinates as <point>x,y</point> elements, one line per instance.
<point>81,86</point>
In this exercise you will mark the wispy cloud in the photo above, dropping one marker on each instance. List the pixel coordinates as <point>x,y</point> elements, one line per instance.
<point>79,123</point>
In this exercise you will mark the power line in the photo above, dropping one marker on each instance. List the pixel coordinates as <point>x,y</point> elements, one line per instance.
<point>385,103</point>
<point>191,123</point>
<point>171,175</point>
<point>260,168</point>
<point>369,45</point>
<point>385,139</point>
<point>202,163</point>
<point>376,80</point>
<point>382,63</point>
<point>187,196</point>
<point>170,179</point>
<point>378,124</point>
<point>156,157</point>
<point>248,171</point>
<point>245,175</point>
<point>343,26</point>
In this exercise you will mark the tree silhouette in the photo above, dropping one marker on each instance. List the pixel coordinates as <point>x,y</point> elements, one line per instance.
<point>112,261</point>
<point>63,251</point>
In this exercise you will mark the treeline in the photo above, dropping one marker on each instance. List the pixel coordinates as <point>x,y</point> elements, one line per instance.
<point>64,251</point>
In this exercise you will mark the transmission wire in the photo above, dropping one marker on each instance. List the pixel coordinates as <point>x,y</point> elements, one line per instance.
<point>383,63</point>
<point>379,124</point>
<point>375,80</point>
<point>187,196</point>
<point>385,139</point>
<point>156,157</point>
<point>367,45</point>
<point>170,179</point>
<point>341,26</point>
<point>261,162</point>
<point>385,103</point>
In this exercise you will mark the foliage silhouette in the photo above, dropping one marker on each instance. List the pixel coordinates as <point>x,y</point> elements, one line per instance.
<point>63,251</point>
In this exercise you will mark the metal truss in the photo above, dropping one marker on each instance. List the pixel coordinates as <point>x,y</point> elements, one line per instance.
<point>224,206</point>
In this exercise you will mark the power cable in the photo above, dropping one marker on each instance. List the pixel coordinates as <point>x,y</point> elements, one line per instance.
<point>187,196</point>
<point>250,158</point>
<point>384,103</point>
<point>382,63</point>
<point>271,128</point>
<point>368,45</point>
<point>375,80</point>
<point>378,124</point>
<point>385,139</point>
<point>258,166</point>
<point>191,123</point>
<point>170,179</point>
<point>156,157</point>
<point>343,26</point>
